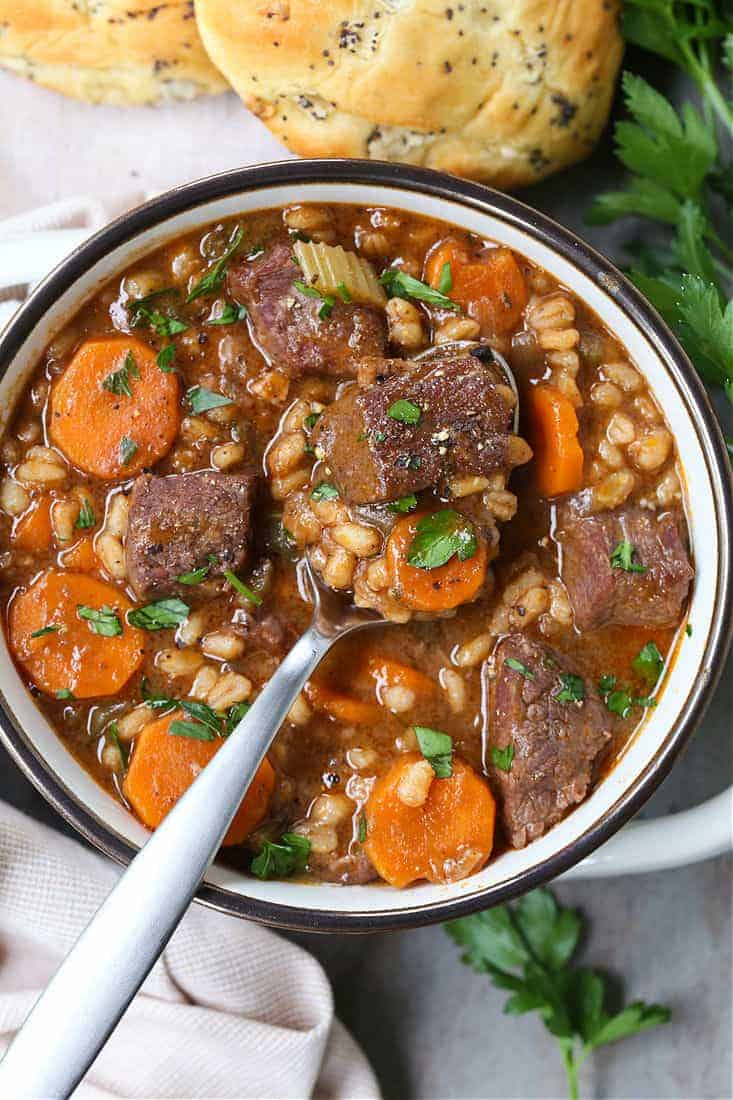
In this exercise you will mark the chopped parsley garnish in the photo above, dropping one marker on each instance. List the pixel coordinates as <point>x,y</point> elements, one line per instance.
<point>517,666</point>
<point>160,615</point>
<point>362,828</point>
<point>65,693</point>
<point>439,537</point>
<point>229,315</point>
<point>445,279</point>
<point>324,490</point>
<point>234,716</point>
<point>86,517</point>
<point>606,683</point>
<point>215,275</point>
<point>102,620</point>
<point>128,449</point>
<point>437,748</point>
<point>165,358</point>
<point>153,699</point>
<point>619,700</point>
<point>405,412</point>
<point>196,731</point>
<point>112,732</point>
<point>242,588</point>
<point>45,630</point>
<point>288,857</point>
<point>399,284</point>
<point>622,557</point>
<point>572,689</point>
<point>311,420</point>
<point>648,663</point>
<point>502,758</point>
<point>203,723</point>
<point>201,400</point>
<point>688,630</point>
<point>159,322</point>
<point>404,504</point>
<point>195,576</point>
<point>313,292</point>
<point>343,293</point>
<point>118,382</point>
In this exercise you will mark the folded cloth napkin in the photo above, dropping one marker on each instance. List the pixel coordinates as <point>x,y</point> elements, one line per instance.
<point>230,1010</point>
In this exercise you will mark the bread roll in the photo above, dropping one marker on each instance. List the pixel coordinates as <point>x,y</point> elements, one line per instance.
<point>505,91</point>
<point>108,51</point>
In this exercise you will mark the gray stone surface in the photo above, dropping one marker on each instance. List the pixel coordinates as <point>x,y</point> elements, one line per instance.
<point>433,1029</point>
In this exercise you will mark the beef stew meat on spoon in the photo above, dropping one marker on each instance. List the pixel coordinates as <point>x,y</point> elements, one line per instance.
<point>257,393</point>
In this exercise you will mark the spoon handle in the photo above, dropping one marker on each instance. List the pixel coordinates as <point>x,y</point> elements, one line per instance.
<point>73,1018</point>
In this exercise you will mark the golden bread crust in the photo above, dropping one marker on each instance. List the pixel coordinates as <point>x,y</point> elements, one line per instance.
<point>505,91</point>
<point>108,51</point>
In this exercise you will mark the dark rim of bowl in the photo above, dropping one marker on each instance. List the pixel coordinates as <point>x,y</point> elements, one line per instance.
<point>594,266</point>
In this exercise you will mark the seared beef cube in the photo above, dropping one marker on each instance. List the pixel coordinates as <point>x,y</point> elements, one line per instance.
<point>417,426</point>
<point>183,522</point>
<point>649,593</point>
<point>556,725</point>
<point>286,323</point>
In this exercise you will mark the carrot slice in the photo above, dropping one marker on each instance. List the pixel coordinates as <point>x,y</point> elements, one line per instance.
<point>491,289</point>
<point>80,557</point>
<point>439,589</point>
<point>450,836</point>
<point>107,433</point>
<point>73,658</point>
<point>32,530</point>
<point>163,766</point>
<point>388,673</point>
<point>558,456</point>
<point>344,708</point>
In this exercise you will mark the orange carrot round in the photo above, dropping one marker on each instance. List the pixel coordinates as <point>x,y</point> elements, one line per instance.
<point>450,836</point>
<point>438,589</point>
<point>163,766</point>
<point>80,557</point>
<point>553,431</point>
<point>341,707</point>
<point>491,288</point>
<point>106,433</point>
<point>32,530</point>
<point>71,657</point>
<point>388,673</point>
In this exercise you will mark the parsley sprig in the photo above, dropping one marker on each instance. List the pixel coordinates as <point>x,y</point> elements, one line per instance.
<point>681,178</point>
<point>527,950</point>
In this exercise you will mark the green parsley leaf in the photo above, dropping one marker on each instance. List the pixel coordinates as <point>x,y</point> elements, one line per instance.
<point>161,324</point>
<point>362,828</point>
<point>648,663</point>
<point>228,315</point>
<point>195,731</point>
<point>201,400</point>
<point>242,588</point>
<point>128,449</point>
<point>622,557</point>
<point>165,358</point>
<point>437,748</point>
<point>343,293</point>
<point>157,702</point>
<point>404,504</point>
<point>527,949</point>
<point>606,683</point>
<point>439,537</point>
<point>118,382</point>
<point>405,412</point>
<point>313,292</point>
<point>159,615</point>
<point>234,716</point>
<point>195,576</point>
<point>445,279</point>
<point>112,734</point>
<point>86,517</point>
<point>311,420</point>
<point>214,277</point>
<point>399,284</point>
<point>289,857</point>
<point>65,693</point>
<point>324,490</point>
<point>572,688</point>
<point>688,629</point>
<point>517,666</point>
<point>45,630</point>
<point>502,758</point>
<point>102,620</point>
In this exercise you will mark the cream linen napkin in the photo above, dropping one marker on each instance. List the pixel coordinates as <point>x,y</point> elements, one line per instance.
<point>230,1010</point>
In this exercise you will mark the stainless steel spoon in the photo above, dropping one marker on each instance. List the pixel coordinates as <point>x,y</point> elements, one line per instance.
<point>73,1018</point>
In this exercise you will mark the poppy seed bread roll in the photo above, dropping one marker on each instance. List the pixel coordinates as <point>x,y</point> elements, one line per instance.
<point>110,51</point>
<point>504,91</point>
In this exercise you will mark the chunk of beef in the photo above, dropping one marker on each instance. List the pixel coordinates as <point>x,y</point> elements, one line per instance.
<point>286,324</point>
<point>177,522</point>
<point>557,745</point>
<point>601,594</point>
<point>349,870</point>
<point>464,427</point>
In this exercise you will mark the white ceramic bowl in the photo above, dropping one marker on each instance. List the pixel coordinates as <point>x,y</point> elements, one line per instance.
<point>699,658</point>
